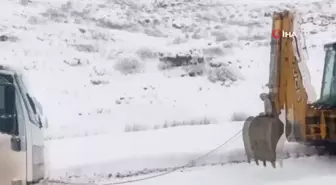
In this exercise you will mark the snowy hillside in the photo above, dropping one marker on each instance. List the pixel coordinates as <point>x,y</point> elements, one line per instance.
<point>121,103</point>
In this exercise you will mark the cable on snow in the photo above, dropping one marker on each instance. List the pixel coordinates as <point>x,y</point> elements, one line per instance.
<point>153,176</point>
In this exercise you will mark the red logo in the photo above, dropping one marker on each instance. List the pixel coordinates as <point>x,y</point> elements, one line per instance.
<point>276,34</point>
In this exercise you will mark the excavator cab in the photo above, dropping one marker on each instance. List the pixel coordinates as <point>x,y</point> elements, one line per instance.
<point>328,90</point>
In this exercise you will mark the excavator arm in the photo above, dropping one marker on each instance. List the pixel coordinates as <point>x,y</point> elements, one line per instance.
<point>289,94</point>
<point>287,97</point>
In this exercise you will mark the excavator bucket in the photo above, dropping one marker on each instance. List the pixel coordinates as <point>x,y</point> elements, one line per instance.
<point>260,136</point>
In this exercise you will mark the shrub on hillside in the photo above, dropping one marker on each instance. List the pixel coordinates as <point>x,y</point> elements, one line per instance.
<point>146,53</point>
<point>128,65</point>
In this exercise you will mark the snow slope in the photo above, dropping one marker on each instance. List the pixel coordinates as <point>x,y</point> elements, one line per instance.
<point>116,109</point>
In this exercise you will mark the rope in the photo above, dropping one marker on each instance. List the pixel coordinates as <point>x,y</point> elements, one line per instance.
<point>190,163</point>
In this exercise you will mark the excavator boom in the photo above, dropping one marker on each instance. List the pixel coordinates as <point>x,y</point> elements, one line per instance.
<point>287,96</point>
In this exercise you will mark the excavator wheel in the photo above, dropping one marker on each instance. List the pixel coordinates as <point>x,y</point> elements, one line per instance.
<point>260,136</point>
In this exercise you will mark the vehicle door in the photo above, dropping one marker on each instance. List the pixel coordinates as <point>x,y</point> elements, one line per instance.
<point>35,141</point>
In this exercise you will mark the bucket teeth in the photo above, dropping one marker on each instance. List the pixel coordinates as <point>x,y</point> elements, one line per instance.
<point>261,135</point>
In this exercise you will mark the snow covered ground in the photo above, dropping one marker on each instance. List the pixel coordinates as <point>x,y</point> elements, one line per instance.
<point>119,104</point>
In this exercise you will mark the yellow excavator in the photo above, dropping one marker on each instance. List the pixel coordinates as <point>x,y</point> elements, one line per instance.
<point>288,113</point>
